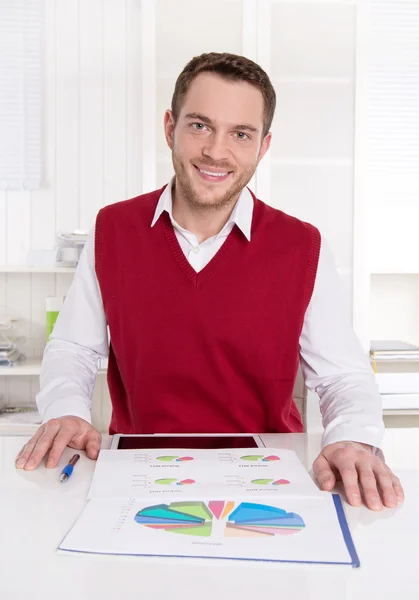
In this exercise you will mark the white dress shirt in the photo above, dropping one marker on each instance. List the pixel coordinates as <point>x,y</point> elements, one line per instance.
<point>332,361</point>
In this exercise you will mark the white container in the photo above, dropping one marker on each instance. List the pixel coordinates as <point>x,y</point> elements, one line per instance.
<point>398,383</point>
<point>400,401</point>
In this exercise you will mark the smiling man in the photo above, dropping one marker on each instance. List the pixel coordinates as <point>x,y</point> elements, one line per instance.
<point>212,299</point>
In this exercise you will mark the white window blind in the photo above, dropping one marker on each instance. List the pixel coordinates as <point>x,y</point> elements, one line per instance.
<point>392,157</point>
<point>20,94</point>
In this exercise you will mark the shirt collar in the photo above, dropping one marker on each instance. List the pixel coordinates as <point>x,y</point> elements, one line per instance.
<point>241,215</point>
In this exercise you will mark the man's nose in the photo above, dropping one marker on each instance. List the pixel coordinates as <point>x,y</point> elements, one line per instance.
<point>216,148</point>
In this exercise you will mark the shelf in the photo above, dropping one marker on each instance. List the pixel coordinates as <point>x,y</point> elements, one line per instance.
<point>384,271</point>
<point>26,269</point>
<point>10,429</point>
<point>401,412</point>
<point>28,368</point>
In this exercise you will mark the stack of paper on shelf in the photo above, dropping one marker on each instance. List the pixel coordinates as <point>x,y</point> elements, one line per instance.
<point>19,416</point>
<point>9,352</point>
<point>69,247</point>
<point>393,350</point>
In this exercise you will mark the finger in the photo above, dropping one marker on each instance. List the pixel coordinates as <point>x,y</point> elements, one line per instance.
<point>397,488</point>
<point>26,451</point>
<point>19,453</point>
<point>324,474</point>
<point>93,444</point>
<point>385,486</point>
<point>369,487</point>
<point>390,486</point>
<point>59,444</point>
<point>43,444</point>
<point>349,476</point>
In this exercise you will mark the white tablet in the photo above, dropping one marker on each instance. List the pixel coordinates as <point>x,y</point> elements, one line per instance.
<point>202,441</point>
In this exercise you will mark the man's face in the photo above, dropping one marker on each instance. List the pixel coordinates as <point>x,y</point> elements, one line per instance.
<point>217,140</point>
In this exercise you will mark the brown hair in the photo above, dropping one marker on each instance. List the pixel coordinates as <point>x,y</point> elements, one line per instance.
<point>233,68</point>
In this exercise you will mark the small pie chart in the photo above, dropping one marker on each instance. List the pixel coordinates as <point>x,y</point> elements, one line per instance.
<point>260,458</point>
<point>174,481</point>
<point>270,481</point>
<point>175,458</point>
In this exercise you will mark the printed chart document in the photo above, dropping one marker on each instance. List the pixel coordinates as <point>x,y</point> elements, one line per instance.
<point>197,473</point>
<point>256,504</point>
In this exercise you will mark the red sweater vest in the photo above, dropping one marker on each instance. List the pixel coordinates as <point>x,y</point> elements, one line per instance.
<point>214,351</point>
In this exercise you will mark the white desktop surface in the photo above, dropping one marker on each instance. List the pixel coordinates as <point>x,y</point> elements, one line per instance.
<point>36,512</point>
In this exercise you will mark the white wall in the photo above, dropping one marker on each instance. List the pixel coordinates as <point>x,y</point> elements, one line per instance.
<point>94,123</point>
<point>92,109</point>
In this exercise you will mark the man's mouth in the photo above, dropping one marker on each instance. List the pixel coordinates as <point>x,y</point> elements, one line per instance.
<point>216,175</point>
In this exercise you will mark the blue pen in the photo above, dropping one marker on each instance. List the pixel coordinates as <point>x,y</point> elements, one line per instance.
<point>66,472</point>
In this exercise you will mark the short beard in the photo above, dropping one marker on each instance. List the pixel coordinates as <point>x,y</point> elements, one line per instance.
<point>185,187</point>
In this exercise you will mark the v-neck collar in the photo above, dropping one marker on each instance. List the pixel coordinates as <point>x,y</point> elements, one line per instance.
<point>197,278</point>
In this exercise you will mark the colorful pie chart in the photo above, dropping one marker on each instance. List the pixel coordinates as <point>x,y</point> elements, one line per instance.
<point>172,480</point>
<point>175,458</point>
<point>260,458</point>
<point>196,518</point>
<point>270,481</point>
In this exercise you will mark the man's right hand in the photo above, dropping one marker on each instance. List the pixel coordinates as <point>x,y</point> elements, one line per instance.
<point>54,436</point>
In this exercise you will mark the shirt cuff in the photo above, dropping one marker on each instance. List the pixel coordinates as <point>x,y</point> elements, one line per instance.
<point>67,407</point>
<point>348,433</point>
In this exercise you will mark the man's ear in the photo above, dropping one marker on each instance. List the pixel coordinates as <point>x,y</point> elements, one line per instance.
<point>169,128</point>
<point>264,147</point>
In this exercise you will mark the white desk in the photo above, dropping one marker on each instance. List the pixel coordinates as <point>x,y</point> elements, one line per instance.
<point>36,511</point>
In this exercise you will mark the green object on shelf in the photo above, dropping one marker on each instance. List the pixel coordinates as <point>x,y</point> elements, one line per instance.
<point>53,306</point>
<point>51,318</point>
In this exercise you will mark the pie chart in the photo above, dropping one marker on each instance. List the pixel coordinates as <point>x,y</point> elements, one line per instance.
<point>259,458</point>
<point>174,458</point>
<point>171,480</point>
<point>270,481</point>
<point>247,520</point>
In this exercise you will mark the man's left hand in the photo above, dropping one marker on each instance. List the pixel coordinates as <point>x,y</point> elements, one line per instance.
<point>359,469</point>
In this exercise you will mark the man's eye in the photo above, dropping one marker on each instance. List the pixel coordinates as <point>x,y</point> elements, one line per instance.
<point>241,135</point>
<point>198,126</point>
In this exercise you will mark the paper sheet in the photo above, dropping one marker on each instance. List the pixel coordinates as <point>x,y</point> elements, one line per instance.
<point>177,473</point>
<point>291,529</point>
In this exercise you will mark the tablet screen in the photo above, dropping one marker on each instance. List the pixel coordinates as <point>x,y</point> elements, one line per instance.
<point>202,442</point>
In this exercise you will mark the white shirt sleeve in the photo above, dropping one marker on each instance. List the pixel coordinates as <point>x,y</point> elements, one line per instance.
<point>80,337</point>
<point>334,365</point>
